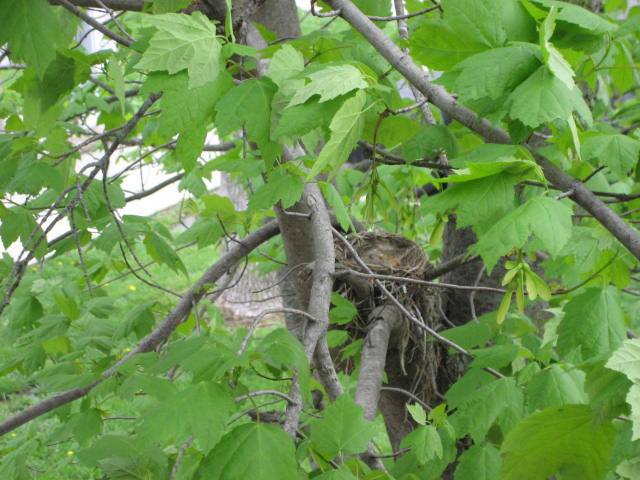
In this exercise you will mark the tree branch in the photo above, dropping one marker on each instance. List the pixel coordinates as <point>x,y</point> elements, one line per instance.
<point>318,296</point>
<point>437,95</point>
<point>37,236</point>
<point>132,5</point>
<point>393,278</point>
<point>160,334</point>
<point>93,22</point>
<point>382,322</point>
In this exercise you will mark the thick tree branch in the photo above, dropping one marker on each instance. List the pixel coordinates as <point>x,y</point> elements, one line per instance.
<point>323,268</point>
<point>437,95</point>
<point>317,296</point>
<point>382,322</point>
<point>160,334</point>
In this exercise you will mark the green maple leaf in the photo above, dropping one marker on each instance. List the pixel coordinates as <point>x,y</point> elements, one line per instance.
<point>487,405</point>
<point>633,399</point>
<point>286,63</point>
<point>330,82</point>
<point>32,30</point>
<point>162,252</point>
<point>343,473</point>
<point>486,185</point>
<point>478,19</point>
<point>558,439</point>
<point>281,349</point>
<point>494,73</point>
<point>342,430</point>
<point>555,387</point>
<point>168,6</point>
<point>436,44</point>
<point>552,57</point>
<point>424,443</point>
<point>480,462</point>
<point>253,450</point>
<point>249,105</point>
<point>374,7</point>
<point>123,457</point>
<point>547,219</point>
<point>579,16</point>
<point>496,356</point>
<point>280,187</point>
<point>619,152</point>
<point>593,324</point>
<point>346,128</point>
<point>184,42</point>
<point>477,203</point>
<point>542,98</point>
<point>185,109</point>
<point>200,410</point>
<point>469,27</point>
<point>334,199</point>
<point>606,389</point>
<point>626,359</point>
<point>302,119</point>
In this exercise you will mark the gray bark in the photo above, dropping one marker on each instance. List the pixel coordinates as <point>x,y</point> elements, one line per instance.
<point>383,322</point>
<point>437,95</point>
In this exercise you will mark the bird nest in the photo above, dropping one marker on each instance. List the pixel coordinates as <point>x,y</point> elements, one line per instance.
<point>388,254</point>
<point>385,254</point>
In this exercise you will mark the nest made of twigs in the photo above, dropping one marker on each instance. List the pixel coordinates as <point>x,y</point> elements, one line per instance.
<point>390,254</point>
<point>384,253</point>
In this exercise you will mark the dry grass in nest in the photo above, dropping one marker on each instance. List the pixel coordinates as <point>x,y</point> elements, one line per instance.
<point>390,254</point>
<point>385,254</point>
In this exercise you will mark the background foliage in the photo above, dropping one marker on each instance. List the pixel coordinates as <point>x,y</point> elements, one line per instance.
<point>562,79</point>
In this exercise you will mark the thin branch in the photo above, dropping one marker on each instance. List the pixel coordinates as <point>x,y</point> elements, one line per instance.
<point>619,197</point>
<point>375,18</point>
<point>472,295</point>
<point>408,394</point>
<point>400,111</point>
<point>403,33</point>
<point>127,5</point>
<point>256,321</point>
<point>470,288</point>
<point>159,335</point>
<point>94,23</point>
<point>405,15</point>
<point>114,19</point>
<point>260,393</point>
<point>437,95</point>
<point>37,236</point>
<point>155,188</point>
<point>315,13</point>
<point>389,158</point>
<point>176,465</point>
<point>449,266</point>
